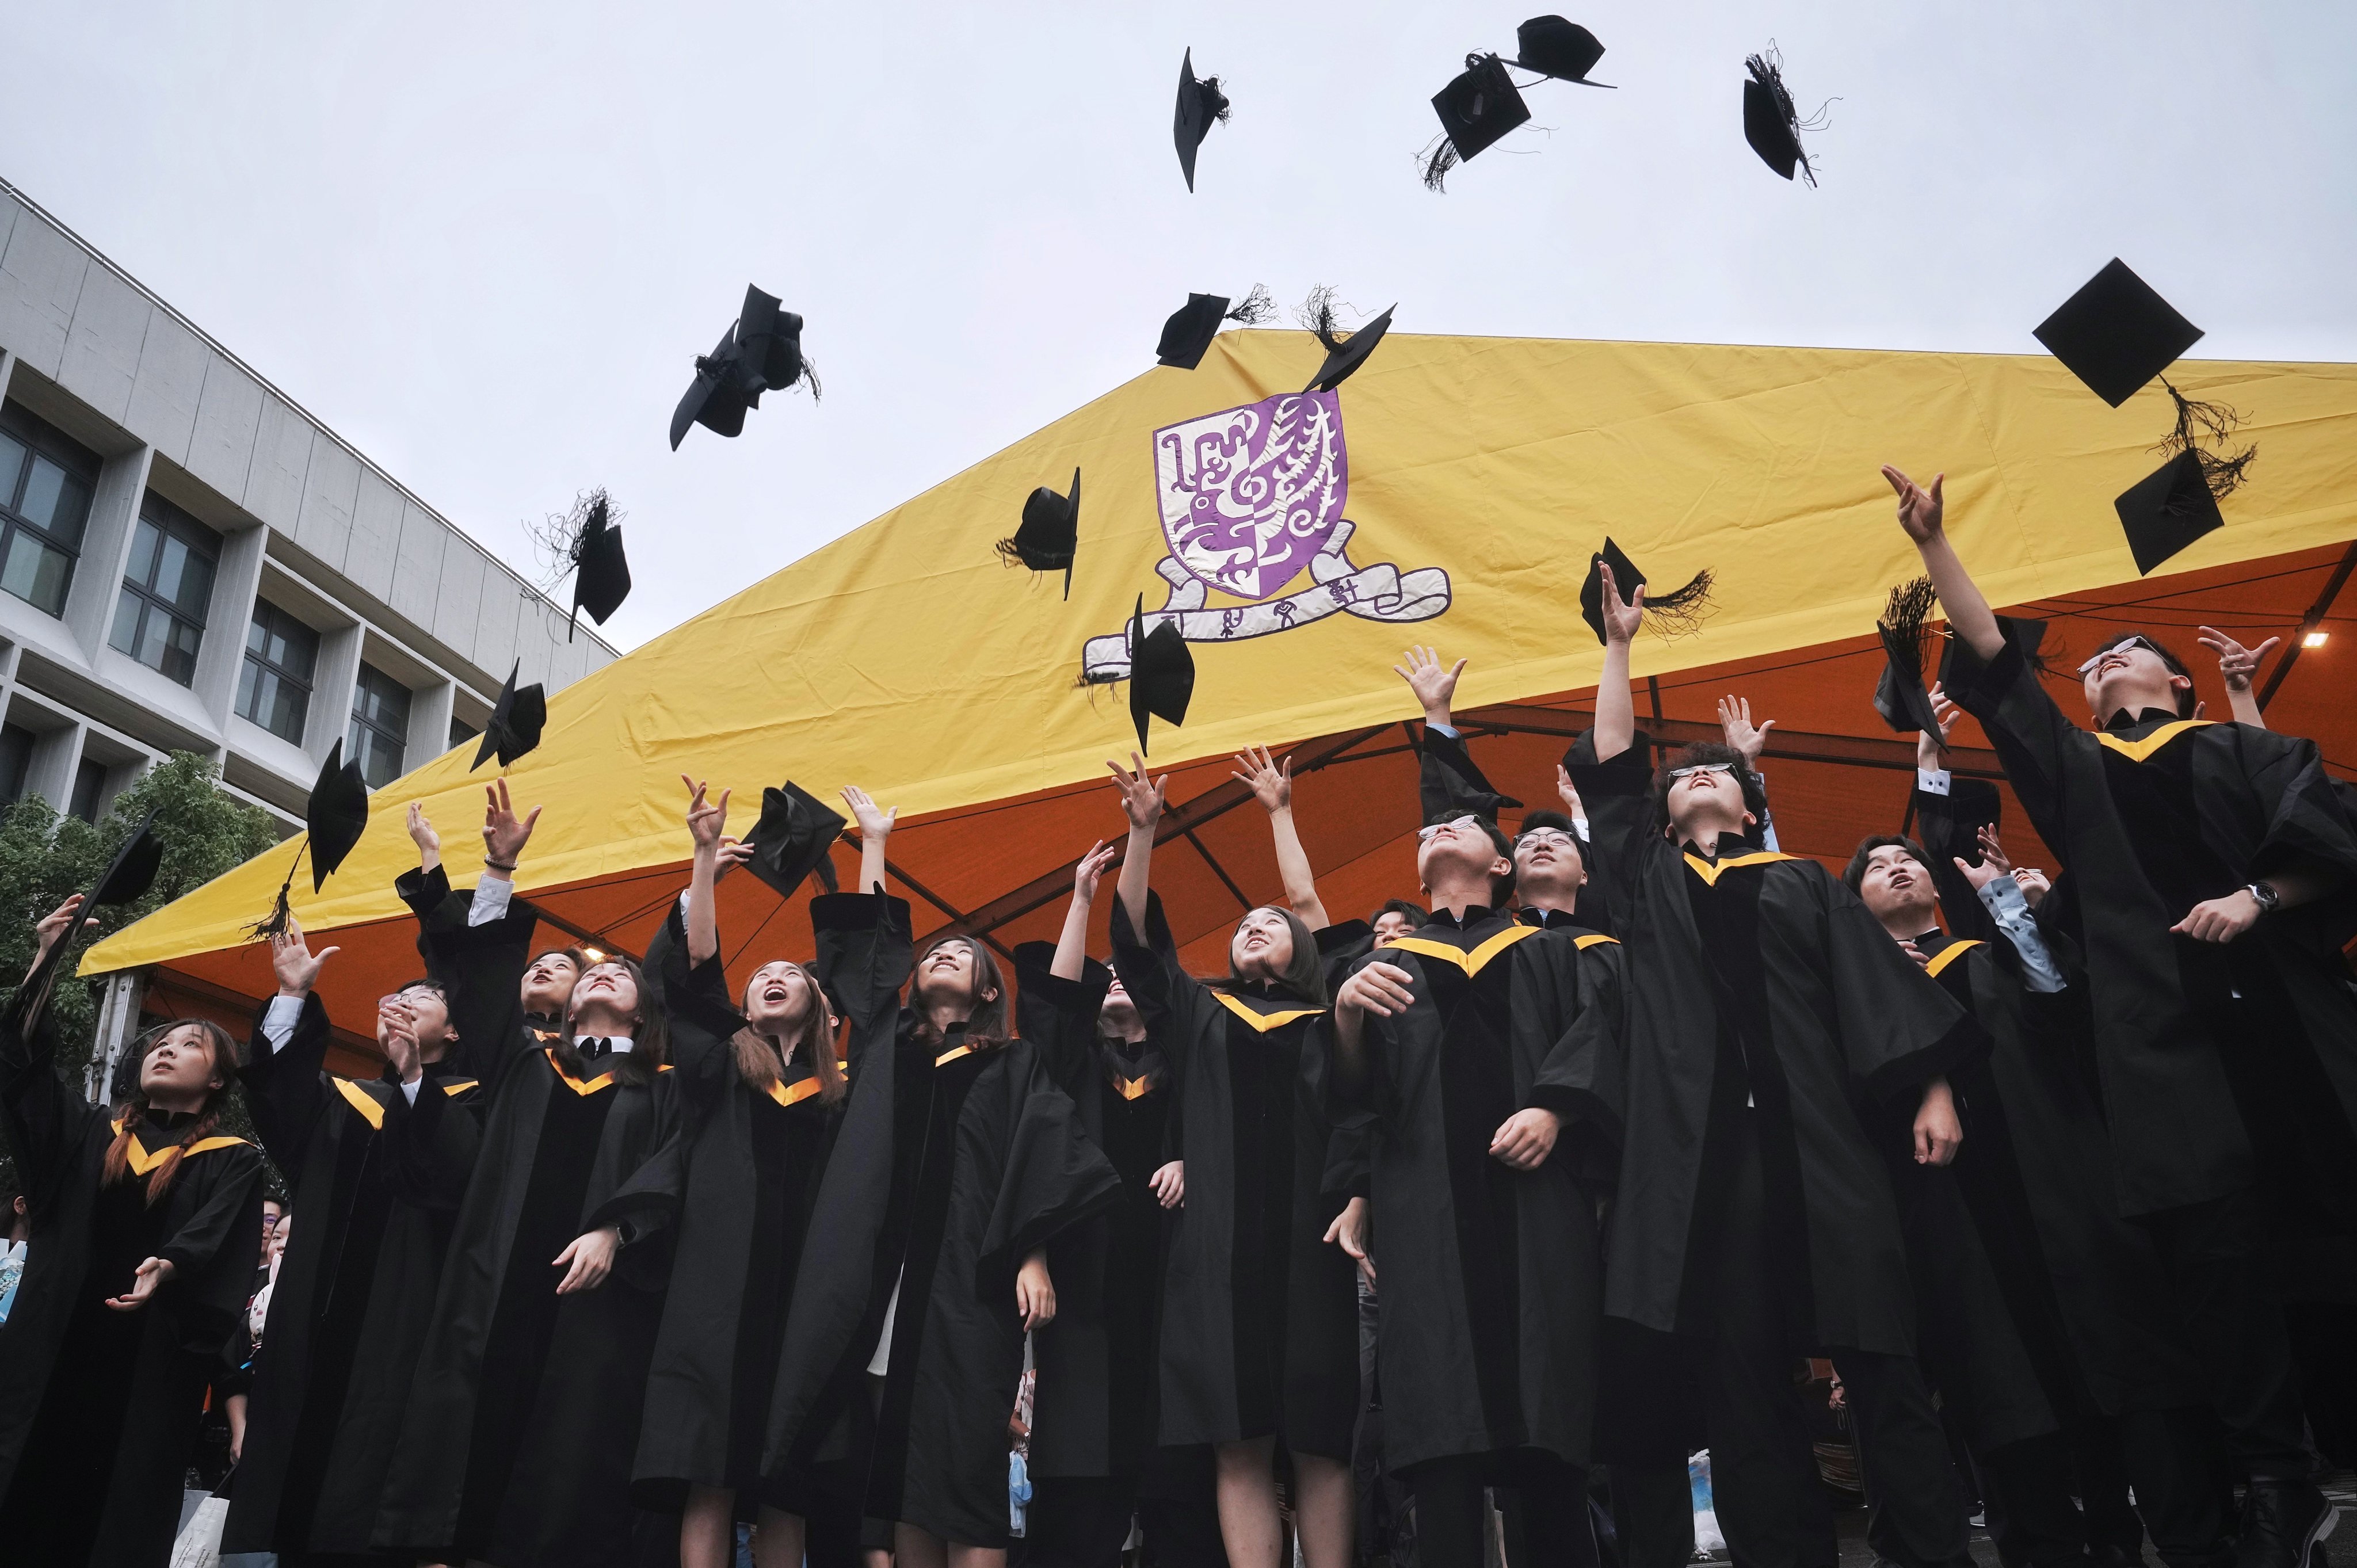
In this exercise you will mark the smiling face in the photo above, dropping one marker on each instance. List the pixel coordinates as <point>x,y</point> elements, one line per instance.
<point>549,983</point>
<point>2132,677</point>
<point>1548,870</point>
<point>606,994</point>
<point>1262,948</point>
<point>1118,1014</point>
<point>778,998</point>
<point>948,976</point>
<point>427,1013</point>
<point>1897,887</point>
<point>179,1072</point>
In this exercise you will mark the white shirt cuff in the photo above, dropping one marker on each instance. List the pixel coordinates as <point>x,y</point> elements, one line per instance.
<point>279,1020</point>
<point>1932,780</point>
<point>1448,730</point>
<point>410,1089</point>
<point>491,895</point>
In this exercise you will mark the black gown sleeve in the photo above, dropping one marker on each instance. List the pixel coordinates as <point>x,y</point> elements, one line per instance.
<point>1898,1026</point>
<point>1448,782</point>
<point>1054,1177</point>
<point>214,1248</point>
<point>1948,826</point>
<point>285,1088</point>
<point>47,1119</point>
<point>1584,1078</point>
<point>865,954</point>
<point>1618,794</point>
<point>1177,1008</point>
<point>430,1143</point>
<point>1059,1017</point>
<point>480,966</point>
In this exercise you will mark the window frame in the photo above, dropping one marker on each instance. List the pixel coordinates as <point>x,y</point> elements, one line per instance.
<point>171,523</point>
<point>42,439</point>
<point>397,740</point>
<point>264,614</point>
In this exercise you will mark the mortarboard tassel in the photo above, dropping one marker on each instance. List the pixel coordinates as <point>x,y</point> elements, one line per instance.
<point>2215,423</point>
<point>281,914</point>
<point>1317,313</point>
<point>1902,626</point>
<point>1437,161</point>
<point>1684,608</point>
<point>1768,71</point>
<point>1215,102</point>
<point>1258,306</point>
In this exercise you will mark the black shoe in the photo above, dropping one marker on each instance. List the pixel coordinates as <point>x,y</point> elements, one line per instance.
<point>2282,1523</point>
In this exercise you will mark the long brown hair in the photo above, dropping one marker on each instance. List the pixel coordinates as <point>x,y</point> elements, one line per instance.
<point>1304,973</point>
<point>650,1039</point>
<point>986,1025</point>
<point>222,1053</point>
<point>759,1057</point>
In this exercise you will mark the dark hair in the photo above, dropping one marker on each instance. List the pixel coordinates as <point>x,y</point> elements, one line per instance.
<point>223,1053</point>
<point>1554,820</point>
<point>1416,913</point>
<point>2186,699</point>
<point>759,1056</point>
<point>986,1025</point>
<point>1704,754</point>
<point>1854,874</point>
<point>1501,888</point>
<point>1305,975</point>
<point>579,956</point>
<point>650,1037</point>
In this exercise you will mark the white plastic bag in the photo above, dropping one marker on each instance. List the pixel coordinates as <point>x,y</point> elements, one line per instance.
<point>1708,1536</point>
<point>198,1545</point>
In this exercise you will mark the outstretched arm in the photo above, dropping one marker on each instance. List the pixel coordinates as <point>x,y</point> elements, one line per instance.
<point>1142,801</point>
<point>1920,513</point>
<point>1616,708</point>
<point>422,835</point>
<point>1271,783</point>
<point>1072,943</point>
<point>706,821</point>
<point>2236,666</point>
<point>876,824</point>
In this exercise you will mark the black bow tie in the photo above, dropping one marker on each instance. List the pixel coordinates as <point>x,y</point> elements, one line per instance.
<point>591,1050</point>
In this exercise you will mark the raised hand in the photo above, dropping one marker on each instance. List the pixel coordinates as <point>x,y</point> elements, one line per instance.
<point>1932,746</point>
<point>2033,884</point>
<point>504,835</point>
<point>1735,721</point>
<point>1568,793</point>
<point>2237,663</point>
<point>1270,781</point>
<point>1433,683</point>
<point>1920,511</point>
<point>396,1036</point>
<point>734,853</point>
<point>293,961</point>
<point>422,835</point>
<point>874,821</point>
<point>1091,866</point>
<point>1142,800</point>
<point>56,924</point>
<point>1621,617</point>
<point>705,818</point>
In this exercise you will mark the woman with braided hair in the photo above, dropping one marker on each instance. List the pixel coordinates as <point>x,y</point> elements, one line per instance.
<point>147,1224</point>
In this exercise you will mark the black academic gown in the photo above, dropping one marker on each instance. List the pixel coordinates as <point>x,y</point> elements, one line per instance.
<point>2223,1066</point>
<point>981,1160</point>
<point>1095,1410</point>
<point>1755,975</point>
<point>99,1409</point>
<point>754,1158</point>
<point>378,1183</point>
<point>1259,1313</point>
<point>524,1419</point>
<point>1449,782</point>
<point>2081,1286</point>
<point>1487,1344</point>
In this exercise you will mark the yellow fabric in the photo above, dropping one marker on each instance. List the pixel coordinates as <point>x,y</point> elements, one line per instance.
<point>1950,954</point>
<point>1594,938</point>
<point>586,1087</point>
<point>1471,962</point>
<point>1709,869</point>
<point>907,658</point>
<point>358,1098</point>
<point>1133,1087</point>
<point>1263,1021</point>
<point>142,1163</point>
<point>2138,750</point>
<point>795,1093</point>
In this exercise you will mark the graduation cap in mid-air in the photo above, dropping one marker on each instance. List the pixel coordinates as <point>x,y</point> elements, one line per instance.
<point>792,839</point>
<point>761,351</point>
<point>1771,124</point>
<point>1049,533</point>
<point>2116,333</point>
<point>1899,691</point>
<point>2167,510</point>
<point>1187,335</point>
<point>1480,104</point>
<point>1161,672</point>
<point>515,723</point>
<point>1202,105</point>
<point>1343,355</point>
<point>1563,50</point>
<point>601,579</point>
<point>1673,613</point>
<point>125,880</point>
<point>333,820</point>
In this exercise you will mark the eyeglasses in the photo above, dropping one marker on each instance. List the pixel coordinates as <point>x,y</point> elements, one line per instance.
<point>1726,768</point>
<point>1468,820</point>
<point>1555,836</point>
<point>2122,647</point>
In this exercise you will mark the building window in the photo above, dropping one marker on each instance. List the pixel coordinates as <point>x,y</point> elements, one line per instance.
<point>273,689</point>
<point>46,481</point>
<point>380,726</point>
<point>89,791</point>
<point>160,619</point>
<point>17,744</point>
<point>461,732</point>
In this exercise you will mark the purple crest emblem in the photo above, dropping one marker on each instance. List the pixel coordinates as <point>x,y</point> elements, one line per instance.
<point>1250,494</point>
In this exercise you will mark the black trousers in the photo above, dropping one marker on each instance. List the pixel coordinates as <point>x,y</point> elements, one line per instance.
<point>2027,1488</point>
<point>1083,1522</point>
<point>2176,1460</point>
<point>1548,1510</point>
<point>2213,1255</point>
<point>1652,1512</point>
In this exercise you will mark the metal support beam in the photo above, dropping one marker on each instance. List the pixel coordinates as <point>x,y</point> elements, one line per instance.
<point>1217,869</point>
<point>2308,623</point>
<point>1795,745</point>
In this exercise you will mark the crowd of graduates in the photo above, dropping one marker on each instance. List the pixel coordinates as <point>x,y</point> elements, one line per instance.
<point>1595,1140</point>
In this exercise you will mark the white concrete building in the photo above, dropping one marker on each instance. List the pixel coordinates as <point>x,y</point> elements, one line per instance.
<point>188,561</point>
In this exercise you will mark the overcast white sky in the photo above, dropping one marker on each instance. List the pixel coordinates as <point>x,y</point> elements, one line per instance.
<point>484,241</point>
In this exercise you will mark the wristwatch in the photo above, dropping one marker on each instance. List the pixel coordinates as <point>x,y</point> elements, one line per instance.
<point>2266,896</point>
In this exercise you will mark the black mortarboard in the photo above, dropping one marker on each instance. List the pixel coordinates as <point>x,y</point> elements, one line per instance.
<point>761,351</point>
<point>2027,635</point>
<point>602,580</point>
<point>1344,356</point>
<point>1480,104</point>
<point>1553,46</point>
<point>1771,124</point>
<point>336,814</point>
<point>1161,672</point>
<point>792,840</point>
<point>1673,613</point>
<point>1049,533</point>
<point>1899,693</point>
<point>2167,510</point>
<point>125,880</point>
<point>516,721</point>
<point>1200,105</point>
<point>1187,335</point>
<point>2115,334</point>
